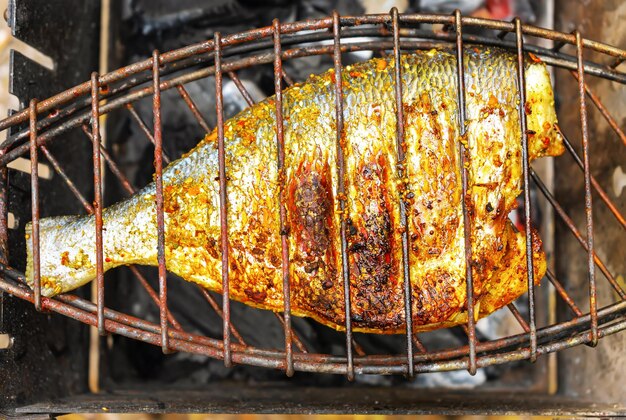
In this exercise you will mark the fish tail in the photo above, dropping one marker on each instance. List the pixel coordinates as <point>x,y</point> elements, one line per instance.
<point>53,232</point>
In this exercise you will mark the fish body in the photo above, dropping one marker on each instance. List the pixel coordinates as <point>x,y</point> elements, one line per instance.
<point>430,186</point>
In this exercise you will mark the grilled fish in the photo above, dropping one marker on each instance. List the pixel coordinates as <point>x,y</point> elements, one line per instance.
<point>431,188</point>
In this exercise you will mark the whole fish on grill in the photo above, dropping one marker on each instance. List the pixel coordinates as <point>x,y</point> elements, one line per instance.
<point>431,187</point>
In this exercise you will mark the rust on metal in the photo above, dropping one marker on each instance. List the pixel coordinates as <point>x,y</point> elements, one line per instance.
<point>97,201</point>
<point>282,211</point>
<point>194,109</point>
<point>296,340</point>
<point>218,311</point>
<point>144,128</point>
<point>341,192</point>
<point>34,192</point>
<point>406,276</point>
<point>4,217</point>
<point>605,112</point>
<point>563,293</point>
<point>160,217</point>
<point>419,345</point>
<point>219,109</point>
<point>358,349</point>
<point>593,305</point>
<point>70,184</point>
<point>244,92</point>
<point>153,295</point>
<point>617,62</point>
<point>110,163</point>
<point>287,78</point>
<point>518,316</point>
<point>471,322</point>
<point>521,89</point>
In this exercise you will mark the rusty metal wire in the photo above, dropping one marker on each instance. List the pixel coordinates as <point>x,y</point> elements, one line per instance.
<point>34,182</point>
<point>80,107</point>
<point>406,277</point>
<point>460,69</point>
<point>97,201</point>
<point>521,82</point>
<point>282,211</point>
<point>219,105</point>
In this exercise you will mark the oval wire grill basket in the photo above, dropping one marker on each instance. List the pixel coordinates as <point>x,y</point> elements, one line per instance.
<point>81,107</point>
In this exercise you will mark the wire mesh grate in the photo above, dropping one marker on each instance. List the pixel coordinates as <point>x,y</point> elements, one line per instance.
<point>82,106</point>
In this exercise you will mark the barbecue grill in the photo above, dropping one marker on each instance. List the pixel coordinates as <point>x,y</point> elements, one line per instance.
<point>72,119</point>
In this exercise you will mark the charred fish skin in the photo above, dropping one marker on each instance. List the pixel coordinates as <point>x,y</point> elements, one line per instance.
<point>431,189</point>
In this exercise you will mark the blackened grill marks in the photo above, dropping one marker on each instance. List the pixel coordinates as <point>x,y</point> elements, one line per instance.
<point>370,241</point>
<point>310,205</point>
<point>313,204</point>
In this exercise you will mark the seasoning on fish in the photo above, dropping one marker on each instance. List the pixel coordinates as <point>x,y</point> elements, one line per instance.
<point>431,188</point>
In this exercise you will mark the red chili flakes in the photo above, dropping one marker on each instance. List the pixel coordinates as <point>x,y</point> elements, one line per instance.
<point>256,296</point>
<point>527,108</point>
